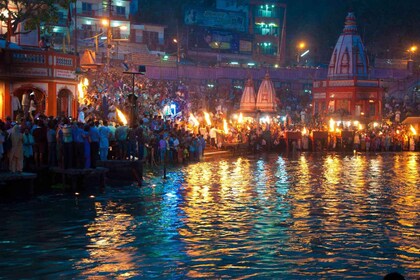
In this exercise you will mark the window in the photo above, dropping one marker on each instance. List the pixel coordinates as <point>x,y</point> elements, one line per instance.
<point>86,7</point>
<point>120,10</point>
<point>267,48</point>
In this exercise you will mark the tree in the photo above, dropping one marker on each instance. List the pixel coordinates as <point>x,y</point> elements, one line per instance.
<point>33,13</point>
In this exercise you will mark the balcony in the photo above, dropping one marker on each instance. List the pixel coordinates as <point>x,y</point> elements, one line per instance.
<point>36,63</point>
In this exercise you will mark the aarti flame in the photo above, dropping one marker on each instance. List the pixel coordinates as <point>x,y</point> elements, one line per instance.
<point>194,120</point>
<point>207,117</point>
<point>304,131</point>
<point>332,125</point>
<point>225,126</point>
<point>82,88</point>
<point>123,119</point>
<point>81,92</point>
<point>241,118</point>
<point>413,130</point>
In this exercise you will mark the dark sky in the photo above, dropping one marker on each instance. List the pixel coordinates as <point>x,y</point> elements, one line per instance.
<point>387,27</point>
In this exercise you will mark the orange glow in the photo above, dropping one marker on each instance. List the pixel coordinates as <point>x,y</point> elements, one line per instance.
<point>304,131</point>
<point>413,130</point>
<point>301,45</point>
<point>121,116</point>
<point>81,92</point>
<point>207,117</point>
<point>194,120</point>
<point>225,126</point>
<point>81,88</point>
<point>332,125</point>
<point>105,22</point>
<point>241,118</point>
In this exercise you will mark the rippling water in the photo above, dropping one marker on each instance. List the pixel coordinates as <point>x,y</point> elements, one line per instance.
<point>308,216</point>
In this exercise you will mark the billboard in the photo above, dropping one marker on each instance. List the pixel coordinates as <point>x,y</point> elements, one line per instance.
<point>208,39</point>
<point>216,19</point>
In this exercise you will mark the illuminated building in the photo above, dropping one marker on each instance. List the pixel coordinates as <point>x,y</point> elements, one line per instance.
<point>348,91</point>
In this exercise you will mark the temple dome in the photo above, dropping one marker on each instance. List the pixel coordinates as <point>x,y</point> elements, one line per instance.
<point>349,58</point>
<point>266,98</point>
<point>248,97</point>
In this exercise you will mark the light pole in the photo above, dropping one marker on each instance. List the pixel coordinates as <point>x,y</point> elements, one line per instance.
<point>300,47</point>
<point>178,50</point>
<point>132,97</point>
<point>411,52</point>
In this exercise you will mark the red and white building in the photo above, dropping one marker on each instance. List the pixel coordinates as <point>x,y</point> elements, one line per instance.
<point>348,92</point>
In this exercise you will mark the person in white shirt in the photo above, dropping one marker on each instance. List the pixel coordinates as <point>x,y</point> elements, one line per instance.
<point>213,136</point>
<point>81,116</point>
<point>16,106</point>
<point>26,102</point>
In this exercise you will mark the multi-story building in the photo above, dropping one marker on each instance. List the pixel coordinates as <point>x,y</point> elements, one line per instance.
<point>268,26</point>
<point>238,33</point>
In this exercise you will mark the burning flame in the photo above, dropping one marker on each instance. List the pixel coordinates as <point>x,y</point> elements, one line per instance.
<point>81,92</point>
<point>123,119</point>
<point>207,117</point>
<point>413,130</point>
<point>332,125</point>
<point>241,118</point>
<point>81,88</point>
<point>194,120</point>
<point>304,131</point>
<point>225,126</point>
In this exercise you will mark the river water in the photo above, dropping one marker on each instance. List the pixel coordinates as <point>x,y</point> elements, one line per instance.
<point>307,216</point>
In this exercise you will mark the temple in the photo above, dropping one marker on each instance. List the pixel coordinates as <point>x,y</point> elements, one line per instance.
<point>348,92</point>
<point>266,97</point>
<point>264,102</point>
<point>248,98</point>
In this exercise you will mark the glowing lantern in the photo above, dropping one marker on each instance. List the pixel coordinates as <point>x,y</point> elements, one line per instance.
<point>413,130</point>
<point>207,117</point>
<point>123,119</point>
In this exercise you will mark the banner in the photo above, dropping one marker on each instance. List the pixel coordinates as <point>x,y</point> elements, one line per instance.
<point>216,19</point>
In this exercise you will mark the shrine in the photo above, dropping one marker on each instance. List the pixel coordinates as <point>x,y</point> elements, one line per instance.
<point>348,93</point>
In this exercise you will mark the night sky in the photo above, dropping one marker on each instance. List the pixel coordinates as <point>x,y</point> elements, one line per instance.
<point>387,27</point>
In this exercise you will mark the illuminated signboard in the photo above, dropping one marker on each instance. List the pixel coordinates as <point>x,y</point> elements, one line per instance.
<point>216,19</point>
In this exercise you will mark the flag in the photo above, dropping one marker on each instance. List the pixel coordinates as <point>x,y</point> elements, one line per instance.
<point>125,66</point>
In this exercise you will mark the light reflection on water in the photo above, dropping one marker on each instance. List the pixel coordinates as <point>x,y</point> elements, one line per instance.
<point>306,216</point>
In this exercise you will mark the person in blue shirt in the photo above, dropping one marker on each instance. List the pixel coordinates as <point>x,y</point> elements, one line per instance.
<point>94,143</point>
<point>78,145</point>
<point>104,135</point>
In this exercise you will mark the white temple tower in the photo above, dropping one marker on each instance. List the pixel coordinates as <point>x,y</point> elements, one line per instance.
<point>248,98</point>
<point>266,98</point>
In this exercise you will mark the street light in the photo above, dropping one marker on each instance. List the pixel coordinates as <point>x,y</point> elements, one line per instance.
<point>178,50</point>
<point>411,52</point>
<point>300,47</point>
<point>107,23</point>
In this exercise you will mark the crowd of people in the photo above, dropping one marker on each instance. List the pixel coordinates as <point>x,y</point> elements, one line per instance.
<point>157,136</point>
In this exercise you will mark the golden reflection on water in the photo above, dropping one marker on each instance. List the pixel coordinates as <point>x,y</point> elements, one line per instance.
<point>406,206</point>
<point>230,215</point>
<point>107,236</point>
<point>339,194</point>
